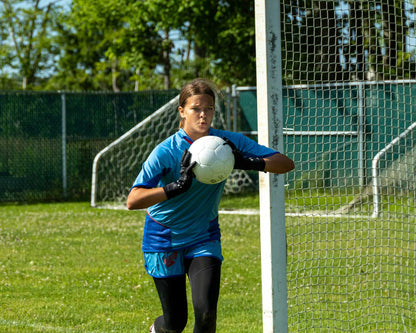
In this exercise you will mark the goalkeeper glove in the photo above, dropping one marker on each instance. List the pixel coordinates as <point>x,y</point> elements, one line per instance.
<point>245,163</point>
<point>185,180</point>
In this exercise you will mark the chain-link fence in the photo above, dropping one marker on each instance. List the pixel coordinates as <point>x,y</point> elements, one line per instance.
<point>48,140</point>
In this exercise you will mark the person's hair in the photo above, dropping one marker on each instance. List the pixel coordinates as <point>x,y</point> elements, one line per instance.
<point>195,87</point>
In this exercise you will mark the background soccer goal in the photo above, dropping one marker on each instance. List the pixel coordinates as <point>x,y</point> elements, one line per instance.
<point>116,166</point>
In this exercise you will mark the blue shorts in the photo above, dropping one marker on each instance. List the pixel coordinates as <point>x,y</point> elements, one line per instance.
<point>171,264</point>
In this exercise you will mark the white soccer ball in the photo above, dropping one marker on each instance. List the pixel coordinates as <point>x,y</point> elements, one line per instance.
<point>214,159</point>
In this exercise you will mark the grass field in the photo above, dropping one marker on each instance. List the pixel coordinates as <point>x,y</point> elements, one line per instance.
<point>70,268</point>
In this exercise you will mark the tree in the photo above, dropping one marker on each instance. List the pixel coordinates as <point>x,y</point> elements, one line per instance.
<point>233,48</point>
<point>106,45</point>
<point>354,52</point>
<point>394,32</point>
<point>366,40</point>
<point>219,35</point>
<point>30,48</point>
<point>144,46</point>
<point>379,32</point>
<point>123,45</point>
<point>166,16</point>
<point>322,42</point>
<point>92,32</point>
<point>222,37</point>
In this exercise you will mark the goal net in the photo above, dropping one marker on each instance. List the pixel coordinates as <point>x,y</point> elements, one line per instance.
<point>116,166</point>
<point>349,91</point>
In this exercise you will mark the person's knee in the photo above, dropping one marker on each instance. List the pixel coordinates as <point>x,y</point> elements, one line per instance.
<point>207,321</point>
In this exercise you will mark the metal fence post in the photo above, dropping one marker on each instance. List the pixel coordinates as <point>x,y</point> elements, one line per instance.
<point>228,109</point>
<point>64,172</point>
<point>361,129</point>
<point>234,96</point>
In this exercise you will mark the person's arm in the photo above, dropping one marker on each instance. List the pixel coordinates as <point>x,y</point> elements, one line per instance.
<point>278,163</point>
<point>140,197</point>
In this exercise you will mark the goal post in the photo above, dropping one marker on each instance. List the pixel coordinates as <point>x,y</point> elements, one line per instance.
<point>402,177</point>
<point>270,133</point>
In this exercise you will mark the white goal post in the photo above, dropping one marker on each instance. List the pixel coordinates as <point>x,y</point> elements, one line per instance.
<point>272,199</point>
<point>375,173</point>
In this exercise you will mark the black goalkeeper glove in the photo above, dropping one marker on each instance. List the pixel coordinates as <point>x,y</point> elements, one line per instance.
<point>185,180</point>
<point>245,163</point>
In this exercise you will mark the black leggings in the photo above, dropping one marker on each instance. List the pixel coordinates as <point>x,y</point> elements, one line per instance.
<point>204,276</point>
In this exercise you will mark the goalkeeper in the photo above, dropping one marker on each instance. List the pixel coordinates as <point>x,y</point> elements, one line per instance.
<point>181,234</point>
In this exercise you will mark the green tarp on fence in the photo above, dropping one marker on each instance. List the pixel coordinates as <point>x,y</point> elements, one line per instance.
<point>35,165</point>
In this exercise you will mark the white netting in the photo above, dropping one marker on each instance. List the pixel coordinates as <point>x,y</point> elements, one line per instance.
<point>349,71</point>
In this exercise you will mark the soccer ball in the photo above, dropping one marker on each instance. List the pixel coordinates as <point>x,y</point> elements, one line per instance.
<point>214,159</point>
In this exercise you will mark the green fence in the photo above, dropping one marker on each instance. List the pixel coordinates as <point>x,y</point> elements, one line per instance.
<point>48,140</point>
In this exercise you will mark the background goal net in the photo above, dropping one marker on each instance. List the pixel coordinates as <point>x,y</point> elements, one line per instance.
<point>349,96</point>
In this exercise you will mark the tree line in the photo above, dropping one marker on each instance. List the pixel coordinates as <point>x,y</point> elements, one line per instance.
<point>125,45</point>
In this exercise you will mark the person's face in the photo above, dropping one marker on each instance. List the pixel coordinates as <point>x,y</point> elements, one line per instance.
<point>197,115</point>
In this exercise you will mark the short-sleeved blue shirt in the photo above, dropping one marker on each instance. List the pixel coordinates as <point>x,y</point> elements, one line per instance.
<point>192,217</point>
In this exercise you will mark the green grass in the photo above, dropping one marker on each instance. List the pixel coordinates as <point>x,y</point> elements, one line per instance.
<point>70,268</point>
<point>248,201</point>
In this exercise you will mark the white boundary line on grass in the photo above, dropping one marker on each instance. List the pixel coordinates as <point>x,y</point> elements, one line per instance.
<point>22,324</point>
<point>222,211</point>
<point>239,212</point>
<point>257,212</point>
<point>329,215</point>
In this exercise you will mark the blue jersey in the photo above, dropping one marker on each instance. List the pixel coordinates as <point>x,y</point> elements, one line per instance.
<point>192,217</point>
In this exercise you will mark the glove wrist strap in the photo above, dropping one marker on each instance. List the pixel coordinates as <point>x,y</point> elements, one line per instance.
<point>257,164</point>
